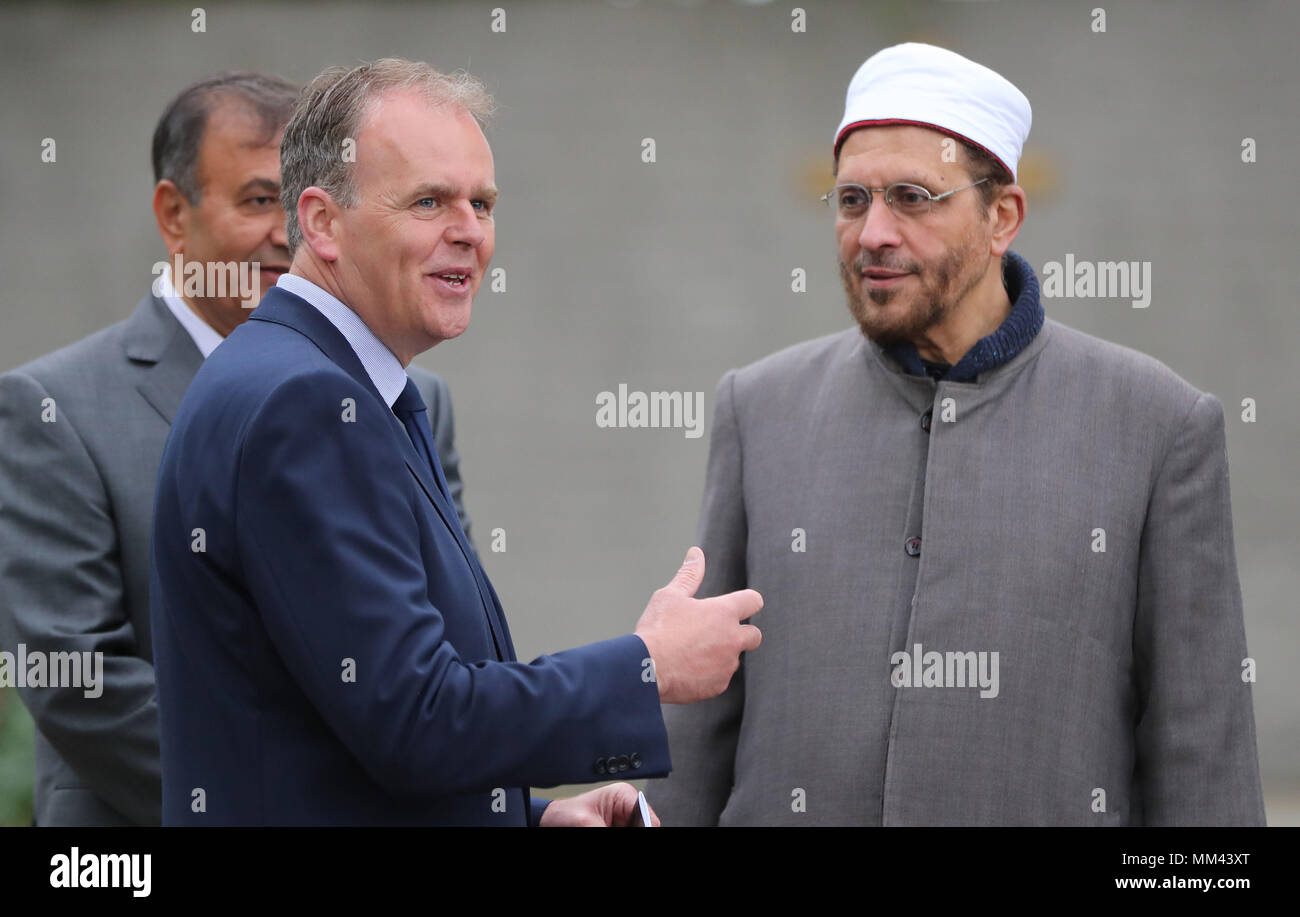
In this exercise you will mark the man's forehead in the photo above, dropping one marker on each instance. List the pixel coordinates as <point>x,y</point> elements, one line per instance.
<point>411,141</point>
<point>882,170</point>
<point>228,154</point>
<point>399,113</point>
<point>237,150</point>
<point>885,153</point>
<point>234,123</point>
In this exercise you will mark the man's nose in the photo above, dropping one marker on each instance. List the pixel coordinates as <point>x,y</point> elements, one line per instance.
<point>466,227</point>
<point>279,237</point>
<point>880,227</point>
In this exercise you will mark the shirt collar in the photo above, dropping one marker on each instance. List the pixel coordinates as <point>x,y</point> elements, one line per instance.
<point>384,369</point>
<point>204,335</point>
<point>1020,327</point>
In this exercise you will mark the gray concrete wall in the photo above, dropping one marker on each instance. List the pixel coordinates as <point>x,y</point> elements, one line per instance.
<point>665,275</point>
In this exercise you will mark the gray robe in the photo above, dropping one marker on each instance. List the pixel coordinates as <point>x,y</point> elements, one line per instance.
<point>871,529</point>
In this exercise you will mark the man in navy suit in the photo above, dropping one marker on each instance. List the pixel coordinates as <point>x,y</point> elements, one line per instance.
<point>83,430</point>
<point>328,648</point>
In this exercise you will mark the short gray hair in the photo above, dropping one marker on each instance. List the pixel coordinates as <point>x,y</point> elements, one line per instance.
<point>330,111</point>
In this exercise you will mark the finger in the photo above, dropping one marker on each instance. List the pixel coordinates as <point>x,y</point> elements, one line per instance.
<point>654,816</point>
<point>690,573</point>
<point>744,603</point>
<point>751,637</point>
<point>620,803</point>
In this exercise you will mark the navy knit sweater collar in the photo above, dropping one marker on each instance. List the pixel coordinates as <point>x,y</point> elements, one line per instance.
<point>1012,336</point>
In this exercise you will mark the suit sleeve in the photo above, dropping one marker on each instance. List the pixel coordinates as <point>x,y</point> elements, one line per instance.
<point>536,806</point>
<point>331,554</point>
<point>61,591</point>
<point>1197,762</point>
<point>442,420</point>
<point>703,736</point>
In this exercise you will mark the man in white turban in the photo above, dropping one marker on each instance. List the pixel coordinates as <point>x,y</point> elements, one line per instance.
<point>996,552</point>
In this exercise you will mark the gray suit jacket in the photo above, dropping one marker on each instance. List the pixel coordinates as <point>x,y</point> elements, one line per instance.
<point>76,506</point>
<point>1120,696</point>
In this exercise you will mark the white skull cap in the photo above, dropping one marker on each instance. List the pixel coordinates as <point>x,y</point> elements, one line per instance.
<point>932,87</point>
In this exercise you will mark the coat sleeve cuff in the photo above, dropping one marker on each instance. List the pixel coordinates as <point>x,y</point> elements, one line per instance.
<point>536,806</point>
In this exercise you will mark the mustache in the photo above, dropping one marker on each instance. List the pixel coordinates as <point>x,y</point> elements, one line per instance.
<point>864,261</point>
<point>277,257</point>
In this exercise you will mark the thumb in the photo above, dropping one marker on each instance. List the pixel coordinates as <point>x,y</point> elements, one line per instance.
<point>690,573</point>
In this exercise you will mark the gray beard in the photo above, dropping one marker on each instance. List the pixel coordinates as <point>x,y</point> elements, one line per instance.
<point>935,303</point>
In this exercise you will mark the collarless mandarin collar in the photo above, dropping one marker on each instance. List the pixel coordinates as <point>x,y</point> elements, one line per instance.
<point>1015,333</point>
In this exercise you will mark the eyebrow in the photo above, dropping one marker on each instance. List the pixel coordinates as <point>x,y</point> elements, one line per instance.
<point>259,184</point>
<point>927,182</point>
<point>486,193</point>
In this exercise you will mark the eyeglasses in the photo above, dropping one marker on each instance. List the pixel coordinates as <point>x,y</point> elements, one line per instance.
<point>903,198</point>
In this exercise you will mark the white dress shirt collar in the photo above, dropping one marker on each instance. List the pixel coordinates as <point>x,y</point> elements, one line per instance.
<point>384,369</point>
<point>204,335</point>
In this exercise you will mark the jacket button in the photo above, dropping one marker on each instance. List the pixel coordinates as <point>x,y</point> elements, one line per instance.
<point>600,765</point>
<point>623,763</point>
<point>635,760</point>
<point>913,546</point>
<point>925,420</point>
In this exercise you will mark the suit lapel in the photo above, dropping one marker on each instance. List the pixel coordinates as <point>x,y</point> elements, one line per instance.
<point>156,340</point>
<point>420,469</point>
<point>284,308</point>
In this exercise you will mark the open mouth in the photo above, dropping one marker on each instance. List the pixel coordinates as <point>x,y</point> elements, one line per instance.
<point>455,281</point>
<point>275,273</point>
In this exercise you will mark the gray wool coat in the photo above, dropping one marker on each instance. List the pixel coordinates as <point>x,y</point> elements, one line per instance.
<point>1068,510</point>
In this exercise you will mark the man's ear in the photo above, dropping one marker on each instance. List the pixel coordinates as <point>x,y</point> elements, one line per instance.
<point>172,211</point>
<point>1008,216</point>
<point>319,224</point>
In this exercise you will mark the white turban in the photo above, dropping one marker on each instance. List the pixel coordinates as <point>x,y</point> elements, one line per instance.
<point>931,87</point>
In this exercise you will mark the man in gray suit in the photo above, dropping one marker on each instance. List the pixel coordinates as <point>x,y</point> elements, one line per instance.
<point>82,433</point>
<point>996,552</point>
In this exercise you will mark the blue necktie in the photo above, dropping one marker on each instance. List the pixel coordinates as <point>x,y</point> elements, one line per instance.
<point>414,414</point>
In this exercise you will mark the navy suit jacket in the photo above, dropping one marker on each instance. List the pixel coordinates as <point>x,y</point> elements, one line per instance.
<point>328,648</point>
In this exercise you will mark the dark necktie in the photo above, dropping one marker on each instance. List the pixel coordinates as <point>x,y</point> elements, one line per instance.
<point>414,414</point>
<point>412,411</point>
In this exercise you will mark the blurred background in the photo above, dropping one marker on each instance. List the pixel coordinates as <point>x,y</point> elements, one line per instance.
<point>663,275</point>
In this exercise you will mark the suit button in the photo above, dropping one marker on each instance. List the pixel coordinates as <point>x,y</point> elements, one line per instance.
<point>925,420</point>
<point>623,763</point>
<point>600,765</point>
<point>913,546</point>
<point>635,760</point>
